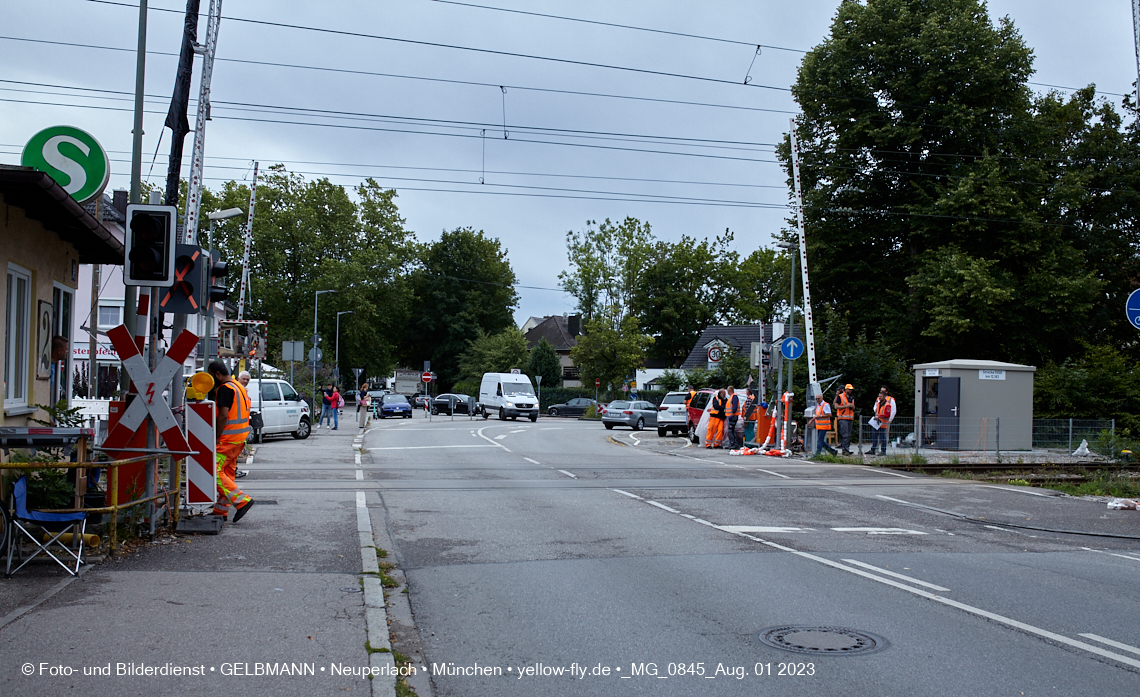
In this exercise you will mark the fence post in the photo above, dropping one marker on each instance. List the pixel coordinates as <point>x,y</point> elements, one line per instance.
<point>1070,435</point>
<point>997,434</point>
<point>917,433</point>
<point>1113,431</point>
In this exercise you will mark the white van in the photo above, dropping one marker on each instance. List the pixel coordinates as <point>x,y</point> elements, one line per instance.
<point>507,394</point>
<point>282,409</point>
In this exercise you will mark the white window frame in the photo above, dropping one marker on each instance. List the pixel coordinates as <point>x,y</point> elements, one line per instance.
<point>18,342</point>
<point>108,302</point>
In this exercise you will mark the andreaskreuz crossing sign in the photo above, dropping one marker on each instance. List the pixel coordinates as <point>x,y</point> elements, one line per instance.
<point>72,157</point>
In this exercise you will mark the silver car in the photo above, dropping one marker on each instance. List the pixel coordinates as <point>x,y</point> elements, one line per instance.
<point>637,415</point>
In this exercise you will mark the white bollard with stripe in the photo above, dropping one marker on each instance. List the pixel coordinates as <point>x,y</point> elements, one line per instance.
<point>201,481</point>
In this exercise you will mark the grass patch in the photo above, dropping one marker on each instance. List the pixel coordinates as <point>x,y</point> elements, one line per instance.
<point>370,650</point>
<point>382,553</point>
<point>1120,485</point>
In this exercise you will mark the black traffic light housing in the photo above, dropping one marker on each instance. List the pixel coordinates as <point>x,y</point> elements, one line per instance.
<point>149,259</point>
<point>185,296</point>
<point>216,290</point>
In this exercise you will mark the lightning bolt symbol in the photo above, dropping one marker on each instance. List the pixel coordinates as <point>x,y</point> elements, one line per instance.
<point>150,394</point>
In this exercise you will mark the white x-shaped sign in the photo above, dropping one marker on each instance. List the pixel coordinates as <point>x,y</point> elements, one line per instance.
<point>149,385</point>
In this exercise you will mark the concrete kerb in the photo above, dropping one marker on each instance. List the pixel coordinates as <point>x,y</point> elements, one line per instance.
<point>376,614</point>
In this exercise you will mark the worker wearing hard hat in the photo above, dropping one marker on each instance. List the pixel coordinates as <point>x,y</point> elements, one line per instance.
<point>845,416</point>
<point>231,426</point>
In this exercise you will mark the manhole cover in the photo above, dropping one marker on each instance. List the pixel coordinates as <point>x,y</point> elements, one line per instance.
<point>351,590</point>
<point>266,502</point>
<point>837,641</point>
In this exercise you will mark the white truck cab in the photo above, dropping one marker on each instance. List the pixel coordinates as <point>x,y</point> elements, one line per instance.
<point>508,395</point>
<point>282,409</point>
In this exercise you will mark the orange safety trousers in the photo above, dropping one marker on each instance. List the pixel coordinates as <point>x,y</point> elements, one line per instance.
<point>228,491</point>
<point>714,436</point>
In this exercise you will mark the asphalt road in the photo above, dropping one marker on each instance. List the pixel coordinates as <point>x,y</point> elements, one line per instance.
<point>607,562</point>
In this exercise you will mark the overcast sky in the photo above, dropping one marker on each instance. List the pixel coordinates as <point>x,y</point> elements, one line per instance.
<point>585,171</point>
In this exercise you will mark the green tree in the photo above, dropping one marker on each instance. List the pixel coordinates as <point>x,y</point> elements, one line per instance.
<point>464,289</point>
<point>672,380</point>
<point>921,146</point>
<point>760,288</point>
<point>606,263</point>
<point>544,361</point>
<point>494,353</point>
<point>1101,383</point>
<point>608,352</point>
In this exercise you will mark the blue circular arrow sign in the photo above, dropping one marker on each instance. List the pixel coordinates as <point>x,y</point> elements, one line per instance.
<point>793,348</point>
<point>1132,308</point>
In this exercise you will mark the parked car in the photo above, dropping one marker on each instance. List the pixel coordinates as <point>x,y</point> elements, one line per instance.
<point>508,395</point>
<point>282,410</point>
<point>393,405</point>
<point>450,404</point>
<point>672,415</point>
<point>636,414</point>
<point>422,401</point>
<point>573,407</point>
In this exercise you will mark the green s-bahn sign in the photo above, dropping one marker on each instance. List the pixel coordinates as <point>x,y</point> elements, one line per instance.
<point>72,157</point>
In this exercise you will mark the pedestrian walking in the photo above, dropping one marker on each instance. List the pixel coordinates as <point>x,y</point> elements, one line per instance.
<point>336,404</point>
<point>845,416</point>
<point>714,434</point>
<point>733,414</point>
<point>885,410</point>
<point>363,403</point>
<point>231,428</point>
<point>326,405</point>
<point>822,417</point>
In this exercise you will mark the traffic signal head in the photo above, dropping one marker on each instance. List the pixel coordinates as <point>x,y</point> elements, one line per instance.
<point>216,290</point>
<point>185,296</point>
<point>149,246</point>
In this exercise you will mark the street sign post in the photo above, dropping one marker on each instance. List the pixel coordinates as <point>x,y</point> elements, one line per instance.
<point>315,354</point>
<point>792,348</point>
<point>1132,308</point>
<point>426,377</point>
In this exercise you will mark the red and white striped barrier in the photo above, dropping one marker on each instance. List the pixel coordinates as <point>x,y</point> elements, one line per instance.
<point>201,482</point>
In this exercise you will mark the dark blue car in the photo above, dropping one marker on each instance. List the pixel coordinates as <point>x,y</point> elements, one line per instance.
<point>394,405</point>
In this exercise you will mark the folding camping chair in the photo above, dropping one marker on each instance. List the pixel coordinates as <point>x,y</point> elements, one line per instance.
<point>56,524</point>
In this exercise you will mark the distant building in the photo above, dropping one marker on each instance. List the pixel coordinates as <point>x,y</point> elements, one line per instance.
<point>562,332</point>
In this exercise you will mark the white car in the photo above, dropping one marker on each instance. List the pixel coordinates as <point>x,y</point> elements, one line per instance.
<point>673,415</point>
<point>282,409</point>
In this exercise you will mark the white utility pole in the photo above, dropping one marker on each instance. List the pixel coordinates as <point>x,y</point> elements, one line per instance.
<point>1136,38</point>
<point>207,50</point>
<point>809,329</point>
<point>248,242</point>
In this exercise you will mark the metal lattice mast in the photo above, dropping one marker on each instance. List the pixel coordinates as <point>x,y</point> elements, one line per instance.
<point>1136,38</point>
<point>194,195</point>
<point>248,242</point>
<point>809,328</point>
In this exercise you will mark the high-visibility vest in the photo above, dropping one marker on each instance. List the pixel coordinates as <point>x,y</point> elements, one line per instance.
<point>883,411</point>
<point>718,408</point>
<point>733,406</point>
<point>846,408</point>
<point>689,399</point>
<point>822,418</point>
<point>235,428</point>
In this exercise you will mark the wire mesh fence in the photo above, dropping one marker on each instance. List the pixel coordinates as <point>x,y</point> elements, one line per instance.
<point>985,434</point>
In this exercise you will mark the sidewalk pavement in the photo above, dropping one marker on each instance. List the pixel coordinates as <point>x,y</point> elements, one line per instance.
<point>276,603</point>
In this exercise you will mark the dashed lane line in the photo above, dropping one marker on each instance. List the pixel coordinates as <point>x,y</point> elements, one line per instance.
<point>572,476</point>
<point>1122,556</point>
<point>887,572</point>
<point>1110,642</point>
<point>533,462</point>
<point>431,447</point>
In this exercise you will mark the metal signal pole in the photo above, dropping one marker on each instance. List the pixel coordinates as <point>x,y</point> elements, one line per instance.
<point>1136,38</point>
<point>809,328</point>
<point>248,241</point>
<point>194,195</point>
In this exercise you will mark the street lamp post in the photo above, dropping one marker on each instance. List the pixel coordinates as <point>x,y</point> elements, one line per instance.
<point>346,312</point>
<point>316,337</point>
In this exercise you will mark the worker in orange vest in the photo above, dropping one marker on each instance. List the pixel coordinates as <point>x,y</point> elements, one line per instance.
<point>822,424</point>
<point>733,416</point>
<point>845,417</point>
<point>714,435</point>
<point>231,427</point>
<point>885,411</point>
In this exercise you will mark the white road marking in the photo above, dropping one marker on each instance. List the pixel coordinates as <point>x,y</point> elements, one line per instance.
<point>1028,628</point>
<point>775,474</point>
<point>533,462</point>
<point>626,493</point>
<point>249,460</point>
<point>662,506</point>
<point>430,447</point>
<point>773,530</point>
<point>521,430</point>
<point>881,531</point>
<point>491,440</point>
<point>358,458</point>
<point>892,573</point>
<point>883,471</point>
<point>1017,491</point>
<point>1122,556</point>
<point>702,521</point>
<point>503,436</point>
<point>635,439</point>
<point>552,428</point>
<point>572,476</point>
<point>888,498</point>
<point>360,500</point>
<point>1110,642</point>
<point>360,474</point>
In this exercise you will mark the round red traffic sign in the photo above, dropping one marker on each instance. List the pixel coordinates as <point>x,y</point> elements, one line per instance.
<point>715,354</point>
<point>427,377</point>
<point>597,382</point>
